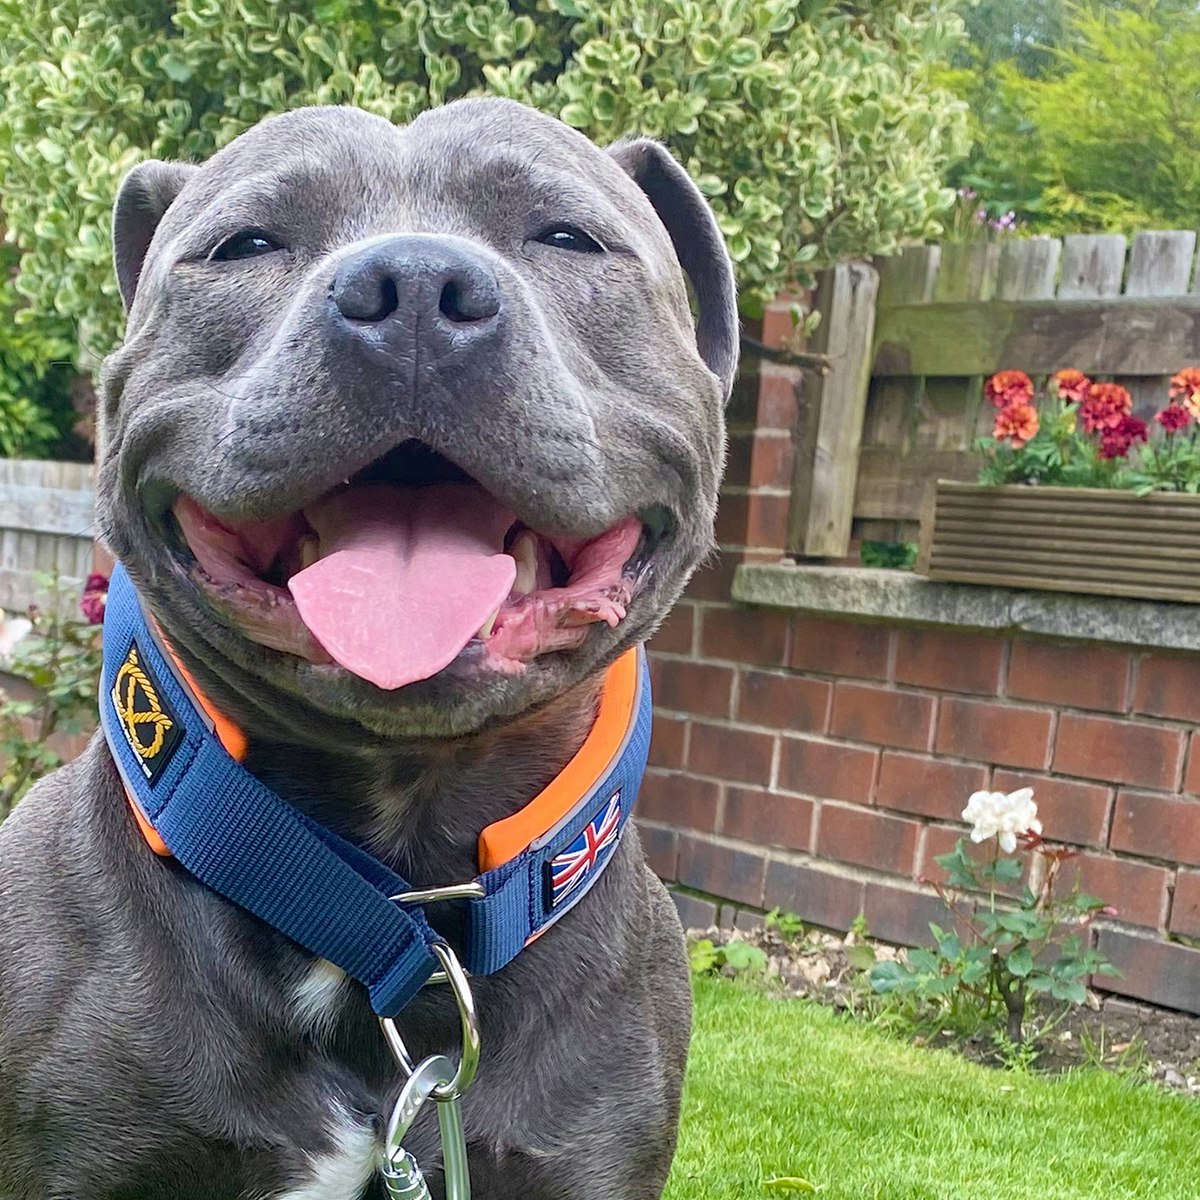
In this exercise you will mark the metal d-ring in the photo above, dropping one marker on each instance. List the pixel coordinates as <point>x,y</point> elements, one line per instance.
<point>468,1065</point>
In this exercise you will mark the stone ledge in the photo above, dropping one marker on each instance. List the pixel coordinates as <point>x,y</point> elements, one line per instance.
<point>901,596</point>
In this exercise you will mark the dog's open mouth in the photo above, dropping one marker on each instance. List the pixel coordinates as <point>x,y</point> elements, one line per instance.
<point>395,573</point>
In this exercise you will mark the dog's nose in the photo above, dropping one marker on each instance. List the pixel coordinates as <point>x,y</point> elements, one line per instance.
<point>414,279</point>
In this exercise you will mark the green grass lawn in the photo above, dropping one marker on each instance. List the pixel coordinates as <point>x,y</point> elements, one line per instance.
<point>782,1089</point>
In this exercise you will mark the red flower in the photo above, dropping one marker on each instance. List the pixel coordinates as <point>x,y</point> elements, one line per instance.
<point>1072,385</point>
<point>1174,417</point>
<point>1185,389</point>
<point>95,598</point>
<point>1009,387</point>
<point>1116,441</point>
<point>1104,407</point>
<point>1018,421</point>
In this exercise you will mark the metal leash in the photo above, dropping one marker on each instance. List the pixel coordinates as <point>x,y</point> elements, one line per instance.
<point>434,1078</point>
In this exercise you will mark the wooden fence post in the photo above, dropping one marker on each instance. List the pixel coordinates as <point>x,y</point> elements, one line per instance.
<point>822,512</point>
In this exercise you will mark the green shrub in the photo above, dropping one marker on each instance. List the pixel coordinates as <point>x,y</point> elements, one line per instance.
<point>36,375</point>
<point>1106,136</point>
<point>815,127</point>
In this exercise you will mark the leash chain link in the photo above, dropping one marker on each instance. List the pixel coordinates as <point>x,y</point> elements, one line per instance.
<point>434,1078</point>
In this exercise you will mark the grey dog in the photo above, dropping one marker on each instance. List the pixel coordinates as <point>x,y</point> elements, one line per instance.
<point>486,299</point>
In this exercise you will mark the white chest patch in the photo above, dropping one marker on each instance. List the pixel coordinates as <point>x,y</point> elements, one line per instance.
<point>319,994</point>
<point>345,1171</point>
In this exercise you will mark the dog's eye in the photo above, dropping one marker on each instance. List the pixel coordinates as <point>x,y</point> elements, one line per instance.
<point>250,243</point>
<point>567,237</point>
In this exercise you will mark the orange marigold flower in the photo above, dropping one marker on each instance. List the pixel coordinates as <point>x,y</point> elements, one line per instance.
<point>1009,387</point>
<point>1116,441</point>
<point>1017,421</point>
<point>1072,385</point>
<point>1174,417</point>
<point>1185,389</point>
<point>1104,407</point>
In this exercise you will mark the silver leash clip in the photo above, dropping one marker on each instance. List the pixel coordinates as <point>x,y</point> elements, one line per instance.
<point>434,1078</point>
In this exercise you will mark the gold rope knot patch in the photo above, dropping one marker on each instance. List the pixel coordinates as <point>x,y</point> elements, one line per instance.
<point>139,709</point>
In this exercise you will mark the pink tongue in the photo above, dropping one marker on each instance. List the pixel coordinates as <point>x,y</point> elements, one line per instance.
<point>407,576</point>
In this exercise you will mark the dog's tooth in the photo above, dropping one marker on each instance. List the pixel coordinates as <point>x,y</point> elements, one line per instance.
<point>524,550</point>
<point>485,630</point>
<point>309,552</point>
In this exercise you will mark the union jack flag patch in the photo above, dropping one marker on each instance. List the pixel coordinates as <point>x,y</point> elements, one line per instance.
<point>566,872</point>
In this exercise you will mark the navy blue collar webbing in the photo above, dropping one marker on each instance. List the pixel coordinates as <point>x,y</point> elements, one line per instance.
<point>242,840</point>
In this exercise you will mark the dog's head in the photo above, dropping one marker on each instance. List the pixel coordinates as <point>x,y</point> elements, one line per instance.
<point>413,429</point>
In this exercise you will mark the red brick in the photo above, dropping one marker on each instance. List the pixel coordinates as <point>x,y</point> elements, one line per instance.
<point>868,838</point>
<point>930,787</point>
<point>1119,751</point>
<point>995,733</point>
<point>950,662</point>
<point>1161,972</point>
<point>1168,686</point>
<point>742,410</point>
<point>778,396</point>
<point>818,896</point>
<point>1138,891</point>
<point>846,648</point>
<point>773,460</point>
<point>1191,780</point>
<point>729,753</point>
<point>1185,907</point>
<point>733,512</point>
<point>882,715</point>
<point>1070,811</point>
<point>677,799</point>
<point>668,741</point>
<point>1157,827</point>
<point>661,847</point>
<point>1070,675</point>
<point>721,870</point>
<point>767,521</point>
<point>898,914</point>
<point>745,635</point>
<point>676,634</point>
<point>682,685</point>
<point>785,702</point>
<point>778,325</point>
<point>737,459</point>
<point>826,769</point>
<point>767,819</point>
<point>695,913</point>
<point>713,580</point>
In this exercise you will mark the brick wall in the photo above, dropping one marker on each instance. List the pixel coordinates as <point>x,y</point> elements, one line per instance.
<point>819,765</point>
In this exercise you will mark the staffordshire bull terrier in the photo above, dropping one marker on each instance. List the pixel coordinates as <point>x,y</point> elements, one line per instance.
<point>456,365</point>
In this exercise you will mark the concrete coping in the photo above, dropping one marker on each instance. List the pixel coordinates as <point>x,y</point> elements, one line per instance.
<point>901,596</point>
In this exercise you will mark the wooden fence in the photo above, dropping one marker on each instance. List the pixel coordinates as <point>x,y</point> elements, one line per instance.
<point>910,340</point>
<point>46,525</point>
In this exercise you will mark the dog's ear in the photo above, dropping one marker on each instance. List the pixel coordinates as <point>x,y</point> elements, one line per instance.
<point>146,194</point>
<point>698,244</point>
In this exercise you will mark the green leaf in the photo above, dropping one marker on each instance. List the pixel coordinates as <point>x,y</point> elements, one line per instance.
<point>860,956</point>
<point>702,956</point>
<point>789,1183</point>
<point>176,67</point>
<point>742,956</point>
<point>1019,962</point>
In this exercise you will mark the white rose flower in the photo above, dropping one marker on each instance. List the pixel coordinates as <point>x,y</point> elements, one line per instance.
<point>12,630</point>
<point>995,814</point>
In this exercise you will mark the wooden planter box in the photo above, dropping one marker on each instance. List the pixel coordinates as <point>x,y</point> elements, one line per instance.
<point>1091,540</point>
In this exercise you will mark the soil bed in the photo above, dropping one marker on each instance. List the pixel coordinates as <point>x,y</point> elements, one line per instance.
<point>1113,1033</point>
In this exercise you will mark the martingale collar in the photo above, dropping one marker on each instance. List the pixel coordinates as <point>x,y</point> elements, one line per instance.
<point>194,801</point>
